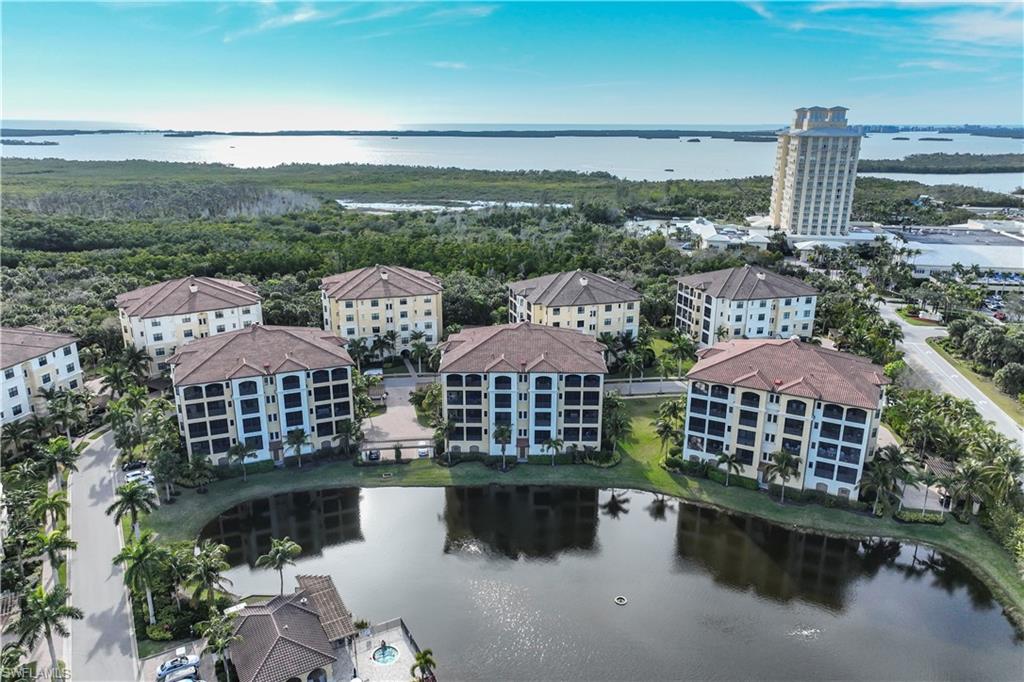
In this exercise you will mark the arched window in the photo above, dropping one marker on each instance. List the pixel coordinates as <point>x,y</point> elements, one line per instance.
<point>855,414</point>
<point>317,675</point>
<point>339,374</point>
<point>291,382</point>
<point>542,383</point>
<point>321,376</point>
<point>592,380</point>
<point>573,381</point>
<point>454,379</point>
<point>193,392</point>
<point>797,407</point>
<point>750,399</point>
<point>502,383</point>
<point>244,388</point>
<point>214,390</point>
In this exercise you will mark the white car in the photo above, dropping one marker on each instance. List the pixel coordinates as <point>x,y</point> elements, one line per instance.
<point>142,476</point>
<point>174,668</point>
<point>189,674</point>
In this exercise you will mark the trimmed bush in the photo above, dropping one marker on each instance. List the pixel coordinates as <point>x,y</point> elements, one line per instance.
<point>159,633</point>
<point>906,516</point>
<point>226,471</point>
<point>718,476</point>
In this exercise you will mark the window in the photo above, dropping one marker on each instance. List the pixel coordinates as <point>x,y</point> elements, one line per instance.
<point>292,400</point>
<point>247,388</point>
<point>542,383</point>
<point>249,406</point>
<point>46,378</point>
<point>187,333</point>
<point>8,373</point>
<point>245,311</point>
<point>824,470</point>
<point>541,436</point>
<point>293,418</point>
<point>216,408</point>
<point>154,323</point>
<point>197,430</point>
<point>348,304</point>
<point>502,383</point>
<point>220,329</point>
<point>290,383</point>
<point>12,391</point>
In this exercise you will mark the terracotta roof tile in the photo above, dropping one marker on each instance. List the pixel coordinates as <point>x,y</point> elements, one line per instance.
<point>174,297</point>
<point>794,368</point>
<point>18,344</point>
<point>568,288</point>
<point>522,346</point>
<point>280,639</point>
<point>747,283</point>
<point>380,281</point>
<point>334,615</point>
<point>257,351</point>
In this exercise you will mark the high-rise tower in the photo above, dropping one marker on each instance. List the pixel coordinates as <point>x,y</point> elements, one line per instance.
<point>815,170</point>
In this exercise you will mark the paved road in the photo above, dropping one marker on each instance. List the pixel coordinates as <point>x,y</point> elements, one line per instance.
<point>102,648</point>
<point>944,375</point>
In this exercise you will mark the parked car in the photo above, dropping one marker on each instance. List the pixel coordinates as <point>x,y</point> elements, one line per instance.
<point>139,475</point>
<point>189,674</point>
<point>423,452</point>
<point>373,455</point>
<point>176,664</point>
<point>134,465</point>
<point>1001,316</point>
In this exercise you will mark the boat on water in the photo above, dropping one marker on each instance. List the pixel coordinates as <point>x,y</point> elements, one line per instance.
<point>670,170</point>
<point>694,139</point>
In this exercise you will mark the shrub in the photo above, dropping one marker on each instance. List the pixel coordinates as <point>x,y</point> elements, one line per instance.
<point>680,465</point>
<point>226,471</point>
<point>718,476</point>
<point>460,457</point>
<point>1010,378</point>
<point>560,458</point>
<point>601,459</point>
<point>159,633</point>
<point>907,516</point>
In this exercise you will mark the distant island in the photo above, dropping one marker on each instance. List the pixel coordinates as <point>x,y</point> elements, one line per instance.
<point>941,163</point>
<point>30,143</point>
<point>901,138</point>
<point>935,139</point>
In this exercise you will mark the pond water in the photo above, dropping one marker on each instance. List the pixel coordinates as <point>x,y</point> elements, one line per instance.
<point>519,583</point>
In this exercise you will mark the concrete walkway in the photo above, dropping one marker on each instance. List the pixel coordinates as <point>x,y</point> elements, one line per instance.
<point>399,420</point>
<point>102,644</point>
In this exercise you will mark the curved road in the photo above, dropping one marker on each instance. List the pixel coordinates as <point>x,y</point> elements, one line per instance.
<point>102,643</point>
<point>934,366</point>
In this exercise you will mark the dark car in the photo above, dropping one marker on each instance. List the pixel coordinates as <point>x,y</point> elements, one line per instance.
<point>373,455</point>
<point>133,465</point>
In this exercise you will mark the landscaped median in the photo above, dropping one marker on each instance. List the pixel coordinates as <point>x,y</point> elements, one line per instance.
<point>641,469</point>
<point>1005,402</point>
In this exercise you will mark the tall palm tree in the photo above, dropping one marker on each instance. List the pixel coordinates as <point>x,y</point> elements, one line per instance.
<point>903,467</point>
<point>136,361</point>
<point>44,613</point>
<point>967,483</point>
<point>282,553</point>
<point>417,335</point>
<point>1003,474</point>
<point>143,560</point>
<point>420,352</point>
<point>503,436</point>
<point>673,411</point>
<point>681,348</point>
<point>296,440</point>
<point>239,452</point>
<point>115,378</point>
<point>632,362</point>
<point>68,410</point>
<point>554,446</point>
<point>133,499</point>
<point>53,544</point>
<point>39,426</point>
<point>424,663</point>
<point>53,507</point>
<point>347,433</point>
<point>731,462</point>
<point>359,351</point>
<point>390,339</point>
<point>611,344</point>
<point>783,465</point>
<point>926,478</point>
<point>219,631</point>
<point>665,431</point>
<point>442,432</point>
<point>16,435</point>
<point>378,347</point>
<point>207,569</point>
<point>880,478</point>
<point>58,455</point>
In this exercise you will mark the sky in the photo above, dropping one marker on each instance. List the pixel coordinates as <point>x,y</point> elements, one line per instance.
<point>355,65</point>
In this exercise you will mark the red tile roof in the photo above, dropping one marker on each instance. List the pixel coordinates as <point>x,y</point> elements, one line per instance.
<point>522,347</point>
<point>573,288</point>
<point>380,282</point>
<point>18,344</point>
<point>794,368</point>
<point>747,283</point>
<point>175,297</point>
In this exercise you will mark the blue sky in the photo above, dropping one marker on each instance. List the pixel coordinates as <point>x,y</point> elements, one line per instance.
<point>274,65</point>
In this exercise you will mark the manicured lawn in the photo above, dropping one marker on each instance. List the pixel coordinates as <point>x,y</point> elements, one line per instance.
<point>1005,402</point>
<point>149,647</point>
<point>639,469</point>
<point>917,321</point>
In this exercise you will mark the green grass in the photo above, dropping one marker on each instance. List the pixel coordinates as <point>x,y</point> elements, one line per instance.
<point>149,647</point>
<point>916,321</point>
<point>398,368</point>
<point>640,469</point>
<point>1006,403</point>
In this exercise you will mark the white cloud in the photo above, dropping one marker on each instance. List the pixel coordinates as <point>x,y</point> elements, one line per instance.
<point>465,11</point>
<point>760,9</point>
<point>302,14</point>
<point>455,66</point>
<point>988,27</point>
<point>940,65</point>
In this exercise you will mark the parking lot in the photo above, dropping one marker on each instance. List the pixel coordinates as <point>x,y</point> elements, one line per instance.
<point>397,424</point>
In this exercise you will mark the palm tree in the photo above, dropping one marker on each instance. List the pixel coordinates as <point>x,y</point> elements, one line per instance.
<point>420,352</point>
<point>378,347</point>
<point>11,658</point>
<point>206,571</point>
<point>53,544</point>
<point>16,434</point>
<point>731,462</point>
<point>143,560</point>
<point>503,436</point>
<point>442,432</point>
<point>347,432</point>
<point>632,362</point>
<point>44,613</point>
<point>134,499</point>
<point>68,409</point>
<point>241,451</point>
<point>784,465</point>
<point>39,425</point>
<point>178,561</point>
<point>665,431</point>
<point>880,477</point>
<point>722,332</point>
<point>417,335</point>
<point>53,507</point>
<point>424,663</point>
<point>681,348</point>
<point>927,478</point>
<point>282,553</point>
<point>115,378</point>
<point>554,446</point>
<point>359,351</point>
<point>390,339</point>
<point>296,440</point>
<point>967,482</point>
<point>219,631</point>
<point>136,362</point>
<point>24,473</point>
<point>59,455</point>
<point>902,467</point>
<point>611,344</point>
<point>1003,473</point>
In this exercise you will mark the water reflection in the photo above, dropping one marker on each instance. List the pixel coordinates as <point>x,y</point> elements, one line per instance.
<point>523,521</point>
<point>745,553</point>
<point>315,519</point>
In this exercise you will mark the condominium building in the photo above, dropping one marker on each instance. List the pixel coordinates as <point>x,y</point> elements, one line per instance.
<point>257,384</point>
<point>370,302</point>
<point>758,397</point>
<point>815,171</point>
<point>576,300</point>
<point>162,318</point>
<point>747,302</point>
<point>32,361</point>
<point>542,383</point>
